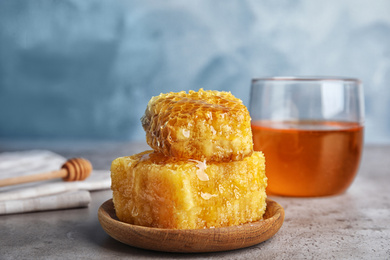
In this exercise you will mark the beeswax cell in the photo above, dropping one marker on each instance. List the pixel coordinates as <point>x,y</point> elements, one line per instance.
<point>204,125</point>
<point>150,189</point>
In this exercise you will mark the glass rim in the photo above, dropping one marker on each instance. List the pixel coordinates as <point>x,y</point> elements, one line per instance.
<point>310,78</point>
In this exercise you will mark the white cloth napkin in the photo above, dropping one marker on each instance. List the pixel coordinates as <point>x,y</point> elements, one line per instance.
<point>44,195</point>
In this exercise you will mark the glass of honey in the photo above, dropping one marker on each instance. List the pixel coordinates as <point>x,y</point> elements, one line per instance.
<point>310,131</point>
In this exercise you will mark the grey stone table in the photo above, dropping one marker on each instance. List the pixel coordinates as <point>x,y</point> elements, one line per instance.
<point>354,225</point>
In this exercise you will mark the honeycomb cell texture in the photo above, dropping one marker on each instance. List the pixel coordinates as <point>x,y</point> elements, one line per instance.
<point>150,189</point>
<point>204,125</point>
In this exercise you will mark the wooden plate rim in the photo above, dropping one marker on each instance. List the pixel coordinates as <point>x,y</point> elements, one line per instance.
<point>218,239</point>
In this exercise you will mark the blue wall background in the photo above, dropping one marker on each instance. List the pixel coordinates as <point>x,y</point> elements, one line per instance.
<point>75,69</point>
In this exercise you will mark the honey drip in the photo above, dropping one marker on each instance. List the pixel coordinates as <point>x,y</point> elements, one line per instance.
<point>207,196</point>
<point>201,170</point>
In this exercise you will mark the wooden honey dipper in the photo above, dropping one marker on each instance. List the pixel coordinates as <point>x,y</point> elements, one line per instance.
<point>75,169</point>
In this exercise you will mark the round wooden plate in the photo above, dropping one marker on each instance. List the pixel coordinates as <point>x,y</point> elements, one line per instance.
<point>192,240</point>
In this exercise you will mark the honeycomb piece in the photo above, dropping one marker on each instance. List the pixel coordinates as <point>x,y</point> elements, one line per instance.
<point>204,125</point>
<point>150,189</point>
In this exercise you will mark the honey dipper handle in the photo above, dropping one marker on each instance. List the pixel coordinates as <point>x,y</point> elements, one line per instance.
<point>75,169</point>
<point>62,173</point>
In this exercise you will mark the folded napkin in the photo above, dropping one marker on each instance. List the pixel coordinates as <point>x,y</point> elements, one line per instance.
<point>44,195</point>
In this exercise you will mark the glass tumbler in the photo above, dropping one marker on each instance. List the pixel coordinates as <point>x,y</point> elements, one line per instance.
<point>310,131</point>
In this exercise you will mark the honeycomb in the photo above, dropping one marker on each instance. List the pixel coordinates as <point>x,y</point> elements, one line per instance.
<point>204,125</point>
<point>151,189</point>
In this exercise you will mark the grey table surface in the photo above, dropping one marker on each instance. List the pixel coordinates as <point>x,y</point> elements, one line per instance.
<point>354,225</point>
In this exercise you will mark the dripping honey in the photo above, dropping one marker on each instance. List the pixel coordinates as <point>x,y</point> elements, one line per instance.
<point>309,158</point>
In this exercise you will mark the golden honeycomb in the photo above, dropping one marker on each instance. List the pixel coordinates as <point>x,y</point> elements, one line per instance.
<point>151,189</point>
<point>204,125</point>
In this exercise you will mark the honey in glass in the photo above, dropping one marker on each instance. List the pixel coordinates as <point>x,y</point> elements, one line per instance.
<point>309,158</point>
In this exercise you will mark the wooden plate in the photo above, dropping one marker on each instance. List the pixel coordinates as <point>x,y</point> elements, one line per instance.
<point>192,240</point>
